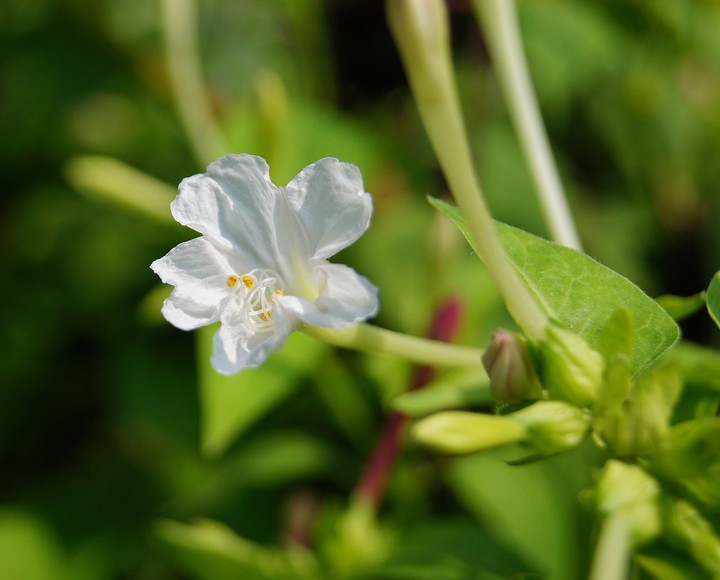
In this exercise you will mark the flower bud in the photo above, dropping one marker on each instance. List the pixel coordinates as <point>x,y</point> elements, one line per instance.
<point>552,426</point>
<point>633,425</point>
<point>628,491</point>
<point>571,370</point>
<point>508,364</point>
<point>465,432</point>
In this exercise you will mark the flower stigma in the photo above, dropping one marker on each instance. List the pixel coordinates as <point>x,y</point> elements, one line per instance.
<point>257,297</point>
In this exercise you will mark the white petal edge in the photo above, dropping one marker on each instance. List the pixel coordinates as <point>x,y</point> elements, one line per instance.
<point>331,205</point>
<point>233,204</point>
<point>199,273</point>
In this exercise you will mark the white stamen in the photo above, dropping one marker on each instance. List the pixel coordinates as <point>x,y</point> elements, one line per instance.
<point>257,299</point>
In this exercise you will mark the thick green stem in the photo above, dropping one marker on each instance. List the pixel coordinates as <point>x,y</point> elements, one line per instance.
<point>420,29</point>
<point>367,338</point>
<point>183,62</point>
<point>499,21</point>
<point>613,550</point>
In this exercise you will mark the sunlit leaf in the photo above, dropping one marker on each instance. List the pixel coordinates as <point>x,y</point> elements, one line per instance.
<point>680,307</point>
<point>212,551</point>
<point>580,292</point>
<point>713,298</point>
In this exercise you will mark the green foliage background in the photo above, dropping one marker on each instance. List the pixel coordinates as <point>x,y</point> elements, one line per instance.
<point>102,434</point>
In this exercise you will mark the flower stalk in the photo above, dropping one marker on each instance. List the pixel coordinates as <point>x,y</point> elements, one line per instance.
<point>368,338</point>
<point>183,62</point>
<point>498,19</point>
<point>421,32</point>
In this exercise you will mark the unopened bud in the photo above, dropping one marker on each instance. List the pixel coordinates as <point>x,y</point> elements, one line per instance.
<point>632,426</point>
<point>571,370</point>
<point>465,432</point>
<point>628,491</point>
<point>508,364</point>
<point>552,426</point>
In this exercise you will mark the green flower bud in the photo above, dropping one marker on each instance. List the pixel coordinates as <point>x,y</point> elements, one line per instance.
<point>685,528</point>
<point>552,426</point>
<point>508,364</point>
<point>465,432</point>
<point>628,491</point>
<point>571,370</point>
<point>634,425</point>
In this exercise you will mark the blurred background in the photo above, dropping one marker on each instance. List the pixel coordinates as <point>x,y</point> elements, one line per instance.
<point>109,419</point>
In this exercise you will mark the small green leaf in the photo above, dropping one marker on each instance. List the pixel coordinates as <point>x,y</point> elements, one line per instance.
<point>456,390</point>
<point>680,307</point>
<point>580,292</point>
<point>713,298</point>
<point>230,404</point>
<point>210,550</point>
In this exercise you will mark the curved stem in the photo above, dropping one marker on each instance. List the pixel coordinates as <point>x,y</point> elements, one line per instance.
<point>367,338</point>
<point>613,550</point>
<point>499,21</point>
<point>421,33</point>
<point>183,61</point>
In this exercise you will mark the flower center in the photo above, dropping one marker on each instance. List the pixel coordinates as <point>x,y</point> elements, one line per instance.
<point>257,291</point>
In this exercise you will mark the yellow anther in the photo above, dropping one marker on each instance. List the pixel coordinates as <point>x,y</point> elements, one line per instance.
<point>265,316</point>
<point>232,281</point>
<point>279,292</point>
<point>248,280</point>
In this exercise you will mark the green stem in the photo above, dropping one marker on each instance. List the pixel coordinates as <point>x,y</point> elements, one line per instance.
<point>612,551</point>
<point>183,62</point>
<point>499,21</point>
<point>420,29</point>
<point>373,339</point>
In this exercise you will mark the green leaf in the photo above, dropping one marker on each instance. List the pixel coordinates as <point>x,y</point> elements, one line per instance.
<point>28,547</point>
<point>713,298</point>
<point>456,390</point>
<point>231,404</point>
<point>580,292</point>
<point>680,307</point>
<point>209,550</point>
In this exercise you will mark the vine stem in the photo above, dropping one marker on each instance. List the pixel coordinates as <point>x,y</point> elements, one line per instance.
<point>498,19</point>
<point>421,32</point>
<point>613,549</point>
<point>373,339</point>
<point>182,56</point>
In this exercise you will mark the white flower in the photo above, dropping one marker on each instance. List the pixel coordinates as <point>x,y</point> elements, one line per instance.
<point>260,267</point>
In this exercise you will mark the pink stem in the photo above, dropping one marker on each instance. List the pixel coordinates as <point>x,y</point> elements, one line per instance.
<point>374,478</point>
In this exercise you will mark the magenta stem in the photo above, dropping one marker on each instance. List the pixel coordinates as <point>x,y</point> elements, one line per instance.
<point>372,484</point>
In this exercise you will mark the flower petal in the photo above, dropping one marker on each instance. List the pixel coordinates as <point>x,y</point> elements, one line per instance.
<point>345,298</point>
<point>236,347</point>
<point>331,205</point>
<point>233,205</point>
<point>199,273</point>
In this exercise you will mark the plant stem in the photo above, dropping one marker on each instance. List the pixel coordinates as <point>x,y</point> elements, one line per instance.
<point>367,338</point>
<point>183,62</point>
<point>372,483</point>
<point>499,21</point>
<point>420,29</point>
<point>612,551</point>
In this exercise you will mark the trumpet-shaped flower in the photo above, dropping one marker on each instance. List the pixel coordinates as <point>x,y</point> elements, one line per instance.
<point>260,267</point>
